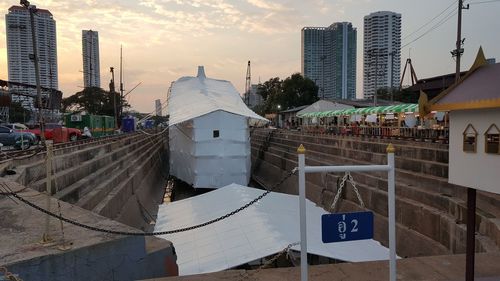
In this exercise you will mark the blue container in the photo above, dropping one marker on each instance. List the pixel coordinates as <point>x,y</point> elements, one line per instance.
<point>128,125</point>
<point>149,124</point>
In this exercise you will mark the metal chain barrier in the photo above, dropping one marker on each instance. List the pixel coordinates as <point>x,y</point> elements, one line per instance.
<point>9,275</point>
<point>347,177</point>
<point>110,231</point>
<point>268,262</point>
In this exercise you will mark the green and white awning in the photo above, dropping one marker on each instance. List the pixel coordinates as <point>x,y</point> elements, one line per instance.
<point>399,108</point>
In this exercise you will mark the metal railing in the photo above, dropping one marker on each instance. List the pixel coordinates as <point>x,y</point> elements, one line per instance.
<point>436,134</point>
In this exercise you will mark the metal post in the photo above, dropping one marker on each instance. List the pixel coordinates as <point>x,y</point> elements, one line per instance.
<point>471,230</point>
<point>32,10</point>
<point>459,40</point>
<point>302,205</point>
<point>391,195</point>
<point>48,165</point>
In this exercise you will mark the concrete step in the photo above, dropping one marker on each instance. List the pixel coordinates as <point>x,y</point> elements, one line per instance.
<point>79,170</point>
<point>30,173</point>
<point>95,196</point>
<point>112,204</point>
<point>75,191</point>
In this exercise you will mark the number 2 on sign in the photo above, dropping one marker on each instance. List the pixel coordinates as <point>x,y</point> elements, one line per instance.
<point>342,227</point>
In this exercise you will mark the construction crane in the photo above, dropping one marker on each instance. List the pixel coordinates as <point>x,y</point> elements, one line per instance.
<point>248,85</point>
<point>412,73</point>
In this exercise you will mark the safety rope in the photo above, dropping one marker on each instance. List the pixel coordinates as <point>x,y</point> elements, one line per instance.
<point>110,231</point>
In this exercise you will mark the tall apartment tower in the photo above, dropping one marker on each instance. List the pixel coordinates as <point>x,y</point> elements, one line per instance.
<point>381,52</point>
<point>91,66</point>
<point>158,108</point>
<point>329,59</point>
<point>20,47</point>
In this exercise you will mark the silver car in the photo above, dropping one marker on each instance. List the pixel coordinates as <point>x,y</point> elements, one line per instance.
<point>19,140</point>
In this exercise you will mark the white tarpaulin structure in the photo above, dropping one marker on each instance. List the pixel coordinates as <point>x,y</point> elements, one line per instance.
<point>262,229</point>
<point>209,132</point>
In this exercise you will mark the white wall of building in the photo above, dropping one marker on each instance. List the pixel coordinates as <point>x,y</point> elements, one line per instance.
<point>478,170</point>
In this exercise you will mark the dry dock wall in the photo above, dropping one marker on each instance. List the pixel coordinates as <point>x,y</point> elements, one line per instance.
<point>430,213</point>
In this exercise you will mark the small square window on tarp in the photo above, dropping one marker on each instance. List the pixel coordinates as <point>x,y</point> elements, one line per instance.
<point>216,133</point>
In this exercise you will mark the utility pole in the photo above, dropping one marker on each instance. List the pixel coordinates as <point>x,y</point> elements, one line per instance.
<point>459,50</point>
<point>248,85</point>
<point>121,83</point>
<point>32,10</point>
<point>322,58</point>
<point>113,92</point>
<point>471,192</point>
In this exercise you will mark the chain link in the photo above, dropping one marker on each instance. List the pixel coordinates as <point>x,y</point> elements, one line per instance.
<point>110,231</point>
<point>268,262</point>
<point>347,177</point>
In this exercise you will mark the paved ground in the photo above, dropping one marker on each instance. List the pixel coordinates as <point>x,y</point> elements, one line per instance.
<point>436,268</point>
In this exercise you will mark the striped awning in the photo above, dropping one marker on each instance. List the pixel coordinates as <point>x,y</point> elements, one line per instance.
<point>399,108</point>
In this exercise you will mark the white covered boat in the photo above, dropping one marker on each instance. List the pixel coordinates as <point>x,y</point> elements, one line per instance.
<point>209,132</point>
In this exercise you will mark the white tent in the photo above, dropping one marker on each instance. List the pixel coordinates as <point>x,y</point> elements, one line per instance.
<point>209,132</point>
<point>323,105</point>
<point>262,229</point>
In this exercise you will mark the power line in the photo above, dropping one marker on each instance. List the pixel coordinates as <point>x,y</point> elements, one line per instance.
<point>483,2</point>
<point>431,20</point>
<point>444,20</point>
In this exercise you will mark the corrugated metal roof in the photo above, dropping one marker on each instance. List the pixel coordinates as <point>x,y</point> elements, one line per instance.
<point>262,229</point>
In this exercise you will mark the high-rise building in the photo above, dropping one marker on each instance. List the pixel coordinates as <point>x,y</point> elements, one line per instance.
<point>91,66</point>
<point>158,107</point>
<point>20,50</point>
<point>329,59</point>
<point>381,52</point>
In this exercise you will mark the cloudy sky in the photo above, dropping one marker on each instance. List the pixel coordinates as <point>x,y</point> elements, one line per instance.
<point>166,39</point>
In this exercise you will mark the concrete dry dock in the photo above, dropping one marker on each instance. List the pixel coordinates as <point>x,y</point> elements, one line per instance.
<point>435,268</point>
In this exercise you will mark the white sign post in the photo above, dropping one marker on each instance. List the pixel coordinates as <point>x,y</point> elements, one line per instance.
<point>389,168</point>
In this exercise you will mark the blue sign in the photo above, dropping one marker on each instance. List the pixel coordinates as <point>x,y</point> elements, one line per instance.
<point>346,226</point>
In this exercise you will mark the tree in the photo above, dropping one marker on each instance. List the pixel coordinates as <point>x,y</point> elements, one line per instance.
<point>18,114</point>
<point>93,100</point>
<point>294,91</point>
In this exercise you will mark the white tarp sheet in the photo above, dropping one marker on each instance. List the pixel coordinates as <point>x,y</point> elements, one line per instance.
<point>192,97</point>
<point>263,229</point>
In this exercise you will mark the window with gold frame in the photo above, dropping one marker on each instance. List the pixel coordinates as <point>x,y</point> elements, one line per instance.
<point>470,139</point>
<point>492,140</point>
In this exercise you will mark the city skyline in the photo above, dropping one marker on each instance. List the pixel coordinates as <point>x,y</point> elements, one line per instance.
<point>164,40</point>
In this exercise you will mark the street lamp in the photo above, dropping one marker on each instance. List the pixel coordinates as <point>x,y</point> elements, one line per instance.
<point>278,115</point>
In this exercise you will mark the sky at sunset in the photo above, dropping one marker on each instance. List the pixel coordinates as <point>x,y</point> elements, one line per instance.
<point>166,39</point>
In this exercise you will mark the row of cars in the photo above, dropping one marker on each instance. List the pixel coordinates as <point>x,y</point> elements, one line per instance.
<point>20,136</point>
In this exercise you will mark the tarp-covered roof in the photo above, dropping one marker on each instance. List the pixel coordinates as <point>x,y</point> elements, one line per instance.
<point>193,97</point>
<point>399,108</point>
<point>323,105</point>
<point>261,230</point>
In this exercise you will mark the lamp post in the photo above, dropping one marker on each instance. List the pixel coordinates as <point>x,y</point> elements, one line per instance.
<point>278,115</point>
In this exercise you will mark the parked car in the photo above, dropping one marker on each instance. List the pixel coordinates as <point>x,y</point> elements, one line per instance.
<point>16,126</point>
<point>73,133</point>
<point>20,140</point>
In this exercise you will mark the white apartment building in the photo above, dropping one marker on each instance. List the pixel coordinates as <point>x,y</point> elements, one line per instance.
<point>381,51</point>
<point>91,66</point>
<point>20,48</point>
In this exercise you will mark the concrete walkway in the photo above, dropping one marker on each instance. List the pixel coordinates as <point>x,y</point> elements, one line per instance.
<point>445,268</point>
